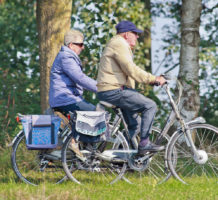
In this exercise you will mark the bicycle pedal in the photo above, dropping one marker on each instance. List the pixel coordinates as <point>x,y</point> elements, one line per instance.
<point>145,152</point>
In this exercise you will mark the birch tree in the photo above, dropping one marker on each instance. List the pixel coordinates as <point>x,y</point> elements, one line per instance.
<point>189,57</point>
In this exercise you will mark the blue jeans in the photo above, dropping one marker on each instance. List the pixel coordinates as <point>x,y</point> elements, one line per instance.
<point>81,106</point>
<point>132,103</point>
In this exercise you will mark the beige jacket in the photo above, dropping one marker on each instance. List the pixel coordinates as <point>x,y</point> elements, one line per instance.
<point>117,68</point>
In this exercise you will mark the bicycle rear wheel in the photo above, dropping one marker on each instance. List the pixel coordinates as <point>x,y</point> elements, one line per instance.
<point>35,166</point>
<point>187,166</point>
<point>154,167</point>
<point>105,162</point>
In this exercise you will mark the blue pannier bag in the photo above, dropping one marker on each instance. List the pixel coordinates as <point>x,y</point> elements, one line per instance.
<point>41,131</point>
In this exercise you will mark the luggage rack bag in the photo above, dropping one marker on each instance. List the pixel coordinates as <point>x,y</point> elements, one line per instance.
<point>90,126</point>
<point>41,131</point>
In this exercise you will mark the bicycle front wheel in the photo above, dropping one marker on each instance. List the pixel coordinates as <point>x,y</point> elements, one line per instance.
<point>182,162</point>
<point>35,166</point>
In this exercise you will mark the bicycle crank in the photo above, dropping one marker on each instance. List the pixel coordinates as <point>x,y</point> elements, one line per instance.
<point>139,163</point>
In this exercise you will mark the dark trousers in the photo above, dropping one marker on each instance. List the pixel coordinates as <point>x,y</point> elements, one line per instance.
<point>132,103</point>
<point>81,106</point>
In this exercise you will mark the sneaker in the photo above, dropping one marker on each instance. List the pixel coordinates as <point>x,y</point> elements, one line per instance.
<point>75,148</point>
<point>150,147</point>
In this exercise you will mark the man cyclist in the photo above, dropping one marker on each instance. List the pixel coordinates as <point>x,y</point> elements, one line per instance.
<point>116,84</point>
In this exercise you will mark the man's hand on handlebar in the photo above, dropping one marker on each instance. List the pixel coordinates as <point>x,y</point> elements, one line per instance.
<point>160,80</point>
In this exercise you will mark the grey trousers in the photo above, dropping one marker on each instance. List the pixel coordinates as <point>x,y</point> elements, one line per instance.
<point>132,103</point>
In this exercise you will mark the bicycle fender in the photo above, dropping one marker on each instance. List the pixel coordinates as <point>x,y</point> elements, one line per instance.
<point>198,120</point>
<point>15,138</point>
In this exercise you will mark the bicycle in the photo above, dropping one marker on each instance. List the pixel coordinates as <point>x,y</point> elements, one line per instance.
<point>156,163</point>
<point>37,166</point>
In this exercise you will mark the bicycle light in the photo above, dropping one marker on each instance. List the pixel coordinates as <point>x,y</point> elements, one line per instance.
<point>68,116</point>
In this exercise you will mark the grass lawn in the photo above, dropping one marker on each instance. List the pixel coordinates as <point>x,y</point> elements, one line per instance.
<point>11,189</point>
<point>142,189</point>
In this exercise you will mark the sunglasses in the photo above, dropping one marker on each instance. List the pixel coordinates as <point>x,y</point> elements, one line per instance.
<point>79,44</point>
<point>134,33</point>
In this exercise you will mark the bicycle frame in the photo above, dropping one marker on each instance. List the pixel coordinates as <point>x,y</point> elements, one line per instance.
<point>184,126</point>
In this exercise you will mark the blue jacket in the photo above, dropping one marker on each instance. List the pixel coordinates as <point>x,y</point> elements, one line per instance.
<point>67,79</point>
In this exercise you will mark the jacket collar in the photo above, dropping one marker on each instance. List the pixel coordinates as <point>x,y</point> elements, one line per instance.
<point>68,50</point>
<point>121,38</point>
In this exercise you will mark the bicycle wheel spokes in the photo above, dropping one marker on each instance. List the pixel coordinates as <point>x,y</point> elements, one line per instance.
<point>32,167</point>
<point>103,166</point>
<point>205,138</point>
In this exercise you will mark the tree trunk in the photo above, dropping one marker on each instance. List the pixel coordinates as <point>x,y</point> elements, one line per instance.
<point>189,65</point>
<point>146,39</point>
<point>147,36</point>
<point>53,20</point>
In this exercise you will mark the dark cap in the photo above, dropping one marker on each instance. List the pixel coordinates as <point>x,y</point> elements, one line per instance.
<point>126,26</point>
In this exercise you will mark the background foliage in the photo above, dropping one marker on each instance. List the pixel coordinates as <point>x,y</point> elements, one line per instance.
<point>19,66</point>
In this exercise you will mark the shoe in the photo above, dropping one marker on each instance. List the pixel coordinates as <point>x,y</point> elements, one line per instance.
<point>150,147</point>
<point>75,148</point>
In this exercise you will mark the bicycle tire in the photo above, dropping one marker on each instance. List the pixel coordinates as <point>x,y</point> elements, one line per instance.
<point>94,169</point>
<point>187,166</point>
<point>28,167</point>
